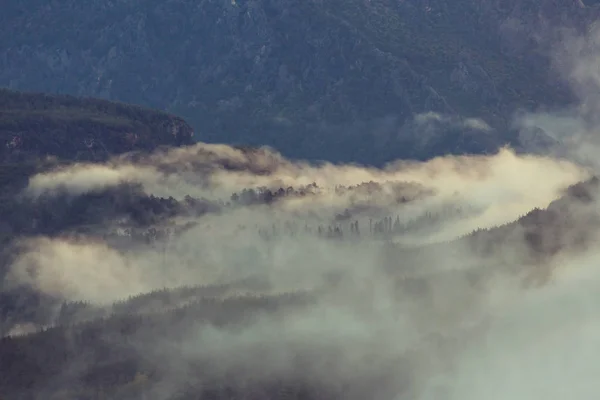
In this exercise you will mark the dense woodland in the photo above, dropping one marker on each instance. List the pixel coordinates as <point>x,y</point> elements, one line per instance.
<point>71,128</point>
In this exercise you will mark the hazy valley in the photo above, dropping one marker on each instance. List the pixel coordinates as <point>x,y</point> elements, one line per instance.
<point>443,248</point>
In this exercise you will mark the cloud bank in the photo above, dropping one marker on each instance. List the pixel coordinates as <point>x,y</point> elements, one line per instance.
<point>407,314</point>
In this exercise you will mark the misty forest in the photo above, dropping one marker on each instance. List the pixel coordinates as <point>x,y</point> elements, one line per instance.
<point>143,259</point>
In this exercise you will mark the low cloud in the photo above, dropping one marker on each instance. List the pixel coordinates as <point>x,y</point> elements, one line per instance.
<point>571,132</point>
<point>503,180</point>
<point>414,314</point>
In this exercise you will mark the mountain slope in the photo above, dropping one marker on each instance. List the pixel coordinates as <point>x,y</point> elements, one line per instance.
<point>39,131</point>
<point>82,129</point>
<point>334,80</point>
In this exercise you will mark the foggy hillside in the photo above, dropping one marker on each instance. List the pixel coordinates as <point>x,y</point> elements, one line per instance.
<point>211,272</point>
<point>136,264</point>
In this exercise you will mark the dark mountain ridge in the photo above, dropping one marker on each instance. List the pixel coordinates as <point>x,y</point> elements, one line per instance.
<point>36,125</point>
<point>334,80</point>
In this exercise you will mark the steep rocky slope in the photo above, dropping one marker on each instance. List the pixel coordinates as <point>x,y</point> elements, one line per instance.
<point>330,79</point>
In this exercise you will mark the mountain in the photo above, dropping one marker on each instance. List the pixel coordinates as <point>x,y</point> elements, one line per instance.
<point>41,131</point>
<point>81,129</point>
<point>335,80</point>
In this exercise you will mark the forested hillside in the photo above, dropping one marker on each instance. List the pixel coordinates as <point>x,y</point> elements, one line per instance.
<point>38,131</point>
<point>83,129</point>
<point>333,80</point>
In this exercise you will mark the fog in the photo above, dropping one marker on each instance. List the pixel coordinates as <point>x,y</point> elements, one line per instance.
<point>368,326</point>
<point>498,189</point>
<point>574,129</point>
<point>540,344</point>
<point>418,315</point>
